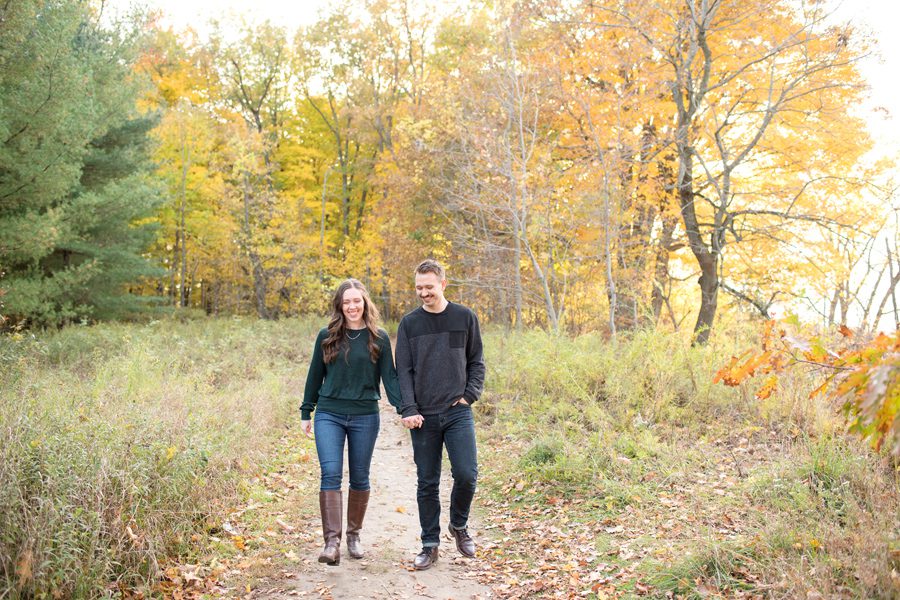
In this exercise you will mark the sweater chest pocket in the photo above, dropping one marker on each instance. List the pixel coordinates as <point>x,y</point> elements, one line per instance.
<point>458,339</point>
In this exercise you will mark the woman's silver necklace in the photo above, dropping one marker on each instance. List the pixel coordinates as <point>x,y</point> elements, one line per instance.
<point>354,337</point>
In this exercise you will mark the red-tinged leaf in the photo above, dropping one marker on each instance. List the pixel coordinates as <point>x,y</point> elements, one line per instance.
<point>770,385</point>
<point>820,389</point>
<point>724,374</point>
<point>845,331</point>
<point>749,367</point>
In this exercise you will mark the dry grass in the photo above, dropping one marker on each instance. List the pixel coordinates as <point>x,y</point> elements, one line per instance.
<point>694,490</point>
<point>120,444</point>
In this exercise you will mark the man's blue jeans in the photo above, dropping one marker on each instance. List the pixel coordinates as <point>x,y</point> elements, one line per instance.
<point>360,431</point>
<point>454,429</point>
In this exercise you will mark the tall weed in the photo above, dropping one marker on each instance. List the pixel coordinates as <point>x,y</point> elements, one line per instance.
<point>638,420</point>
<point>119,442</point>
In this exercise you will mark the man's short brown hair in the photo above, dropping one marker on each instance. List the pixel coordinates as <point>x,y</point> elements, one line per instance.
<point>429,265</point>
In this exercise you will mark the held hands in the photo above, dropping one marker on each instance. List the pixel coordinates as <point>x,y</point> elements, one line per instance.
<point>413,422</point>
<point>416,421</point>
<point>307,428</point>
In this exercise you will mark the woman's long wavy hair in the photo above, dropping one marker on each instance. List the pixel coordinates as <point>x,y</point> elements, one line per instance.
<point>336,341</point>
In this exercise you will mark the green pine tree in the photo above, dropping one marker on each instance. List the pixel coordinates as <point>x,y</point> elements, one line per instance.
<point>73,165</point>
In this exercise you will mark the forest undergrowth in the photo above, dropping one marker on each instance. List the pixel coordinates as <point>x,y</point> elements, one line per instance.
<point>608,468</point>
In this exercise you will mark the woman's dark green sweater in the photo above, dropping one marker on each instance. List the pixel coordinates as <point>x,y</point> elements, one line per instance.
<point>349,385</point>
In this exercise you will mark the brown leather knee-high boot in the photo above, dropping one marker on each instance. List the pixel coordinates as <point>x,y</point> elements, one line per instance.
<point>356,511</point>
<point>331,506</point>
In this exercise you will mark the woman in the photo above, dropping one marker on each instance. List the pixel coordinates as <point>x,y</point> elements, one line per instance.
<point>351,355</point>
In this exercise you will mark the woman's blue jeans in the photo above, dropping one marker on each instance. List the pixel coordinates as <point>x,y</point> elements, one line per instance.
<point>360,432</point>
<point>455,429</point>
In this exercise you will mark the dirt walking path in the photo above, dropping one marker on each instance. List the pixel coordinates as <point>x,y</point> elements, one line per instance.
<point>390,537</point>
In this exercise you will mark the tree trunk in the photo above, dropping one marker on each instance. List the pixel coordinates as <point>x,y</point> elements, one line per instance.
<point>845,304</point>
<point>611,292</point>
<point>345,200</point>
<point>517,273</point>
<point>706,259</point>
<point>890,258</point>
<point>661,269</point>
<point>892,286</point>
<point>709,298</point>
<point>182,209</point>
<point>832,307</point>
<point>173,272</point>
<point>258,272</point>
<point>386,296</point>
<point>259,285</point>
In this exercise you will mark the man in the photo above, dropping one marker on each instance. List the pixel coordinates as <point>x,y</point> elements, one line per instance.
<point>441,373</point>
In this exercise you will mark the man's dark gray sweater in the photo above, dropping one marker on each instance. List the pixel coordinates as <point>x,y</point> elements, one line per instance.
<point>439,359</point>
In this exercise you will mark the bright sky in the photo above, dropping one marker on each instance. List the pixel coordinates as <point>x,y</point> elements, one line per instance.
<point>882,69</point>
<point>197,13</point>
<point>879,16</point>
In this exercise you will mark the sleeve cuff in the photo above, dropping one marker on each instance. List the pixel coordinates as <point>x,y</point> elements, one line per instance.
<point>410,411</point>
<point>470,398</point>
<point>305,415</point>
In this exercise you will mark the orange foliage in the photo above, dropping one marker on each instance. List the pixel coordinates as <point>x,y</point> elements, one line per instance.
<point>863,376</point>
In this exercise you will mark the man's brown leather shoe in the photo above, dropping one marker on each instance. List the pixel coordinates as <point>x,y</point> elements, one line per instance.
<point>464,542</point>
<point>427,557</point>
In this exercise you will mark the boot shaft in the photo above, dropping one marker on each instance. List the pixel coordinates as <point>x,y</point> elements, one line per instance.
<point>357,502</point>
<point>332,508</point>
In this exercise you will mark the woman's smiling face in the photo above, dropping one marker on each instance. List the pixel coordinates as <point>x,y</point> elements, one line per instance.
<point>353,306</point>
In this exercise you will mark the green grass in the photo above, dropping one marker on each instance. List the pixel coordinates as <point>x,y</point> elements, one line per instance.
<point>119,443</point>
<point>631,423</point>
<point>123,447</point>
<point>716,566</point>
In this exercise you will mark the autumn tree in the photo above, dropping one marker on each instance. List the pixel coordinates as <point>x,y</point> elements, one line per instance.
<point>758,91</point>
<point>552,153</point>
<point>857,270</point>
<point>362,70</point>
<point>501,179</point>
<point>613,132</point>
<point>331,55</point>
<point>252,79</point>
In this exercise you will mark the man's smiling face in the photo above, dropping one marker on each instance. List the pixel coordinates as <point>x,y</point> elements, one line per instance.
<point>430,290</point>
